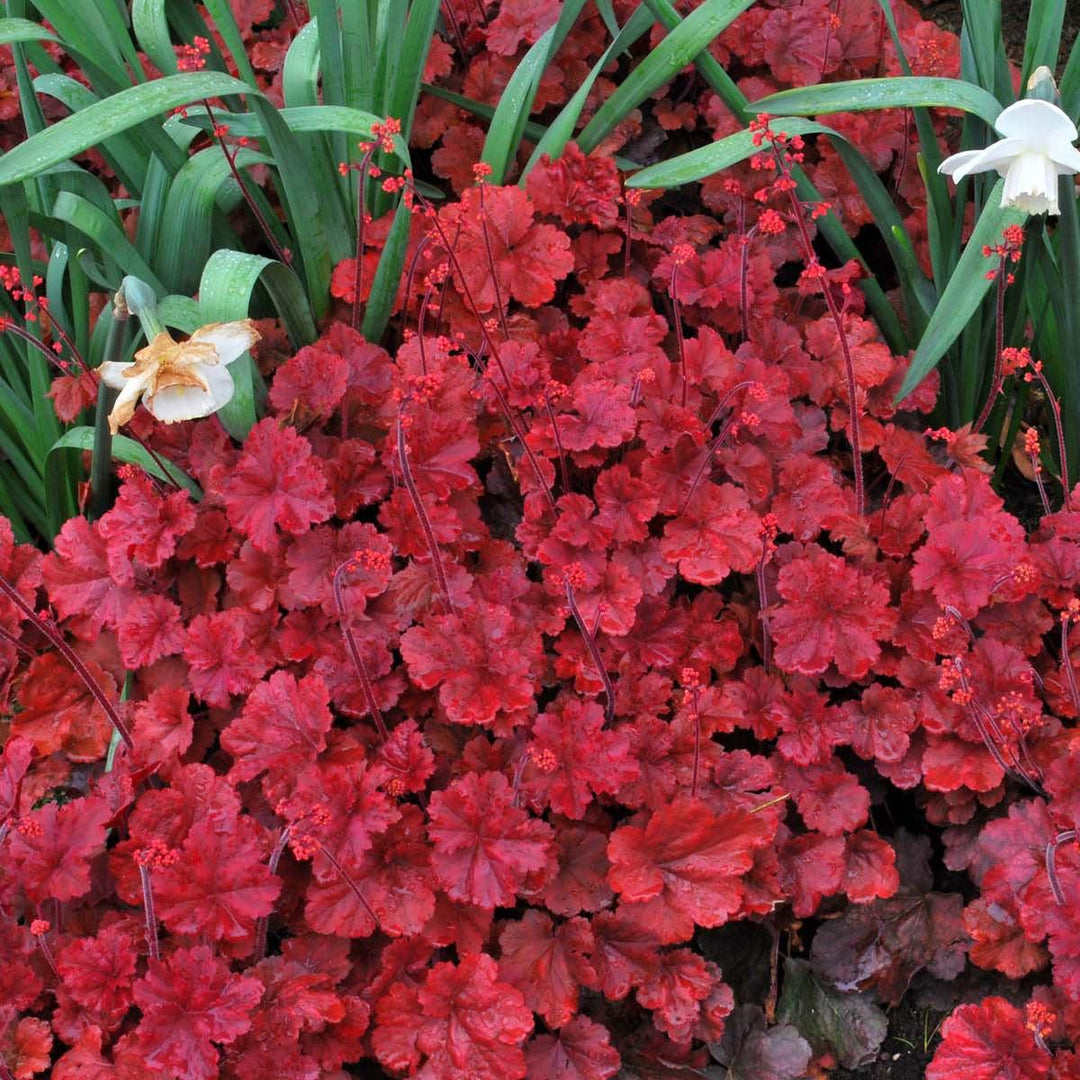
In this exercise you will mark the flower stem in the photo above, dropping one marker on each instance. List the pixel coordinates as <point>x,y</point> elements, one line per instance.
<point>354,653</point>
<point>421,513</point>
<point>149,911</point>
<point>57,639</point>
<point>999,344</point>
<point>594,653</point>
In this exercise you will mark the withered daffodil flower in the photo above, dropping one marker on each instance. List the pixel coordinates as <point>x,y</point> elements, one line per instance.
<point>179,380</point>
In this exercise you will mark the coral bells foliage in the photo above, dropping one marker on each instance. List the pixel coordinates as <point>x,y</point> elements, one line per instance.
<point>498,671</point>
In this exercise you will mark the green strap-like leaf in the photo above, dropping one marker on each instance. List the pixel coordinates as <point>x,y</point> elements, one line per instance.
<point>858,95</point>
<point>151,27</point>
<point>678,48</point>
<point>516,102</point>
<point>225,291</point>
<point>964,292</point>
<point>13,30</point>
<point>1043,38</point>
<point>184,235</point>
<point>561,130</point>
<point>104,119</point>
<point>106,233</point>
<point>123,449</point>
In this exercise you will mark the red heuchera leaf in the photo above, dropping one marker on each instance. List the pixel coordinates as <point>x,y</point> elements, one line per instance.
<point>149,628</point>
<point>685,865</point>
<point>163,727</point>
<point>988,1041</point>
<point>601,416</point>
<point>283,726</point>
<point>518,21</point>
<point>219,885</point>
<point>581,882</point>
<point>14,761</point>
<point>548,964</point>
<point>144,526</point>
<point>578,189</point>
<point>71,394</point>
<point>78,576</point>
<point>677,989</point>
<point>833,614</point>
<point>189,1002</point>
<point>99,972</point>
<point>222,657</point>
<point>869,868</point>
<point>971,545</point>
<point>716,534</point>
<point>274,483</point>
<point>313,381</point>
<point>52,847</point>
<point>26,1048</point>
<point>572,757</point>
<point>528,258</point>
<point>58,711</point>
<point>480,661</point>
<point>484,846</point>
<point>581,1050</point>
<point>462,1022</point>
<point>812,868</point>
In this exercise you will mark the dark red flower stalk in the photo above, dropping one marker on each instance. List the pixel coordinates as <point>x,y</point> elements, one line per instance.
<point>1007,252</point>
<point>564,472</point>
<point>769,530</point>
<point>574,574</point>
<point>219,131</point>
<point>481,171</point>
<point>263,922</point>
<point>421,512</point>
<point>50,631</point>
<point>681,255</point>
<point>1036,373</point>
<point>1051,864</point>
<point>39,928</point>
<point>1070,676</point>
<point>783,157</point>
<point>729,427</point>
<point>354,651</point>
<point>692,683</point>
<point>155,856</point>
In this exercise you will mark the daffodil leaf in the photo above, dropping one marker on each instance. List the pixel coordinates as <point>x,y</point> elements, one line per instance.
<point>965,291</point>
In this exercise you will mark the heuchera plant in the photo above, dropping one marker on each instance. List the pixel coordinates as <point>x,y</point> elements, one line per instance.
<point>615,604</point>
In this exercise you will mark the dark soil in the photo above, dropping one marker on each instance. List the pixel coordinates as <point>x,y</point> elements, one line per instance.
<point>908,1047</point>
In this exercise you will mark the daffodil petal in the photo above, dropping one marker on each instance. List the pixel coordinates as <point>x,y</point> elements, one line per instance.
<point>1035,121</point>
<point>972,161</point>
<point>231,339</point>
<point>112,374</point>
<point>1064,155</point>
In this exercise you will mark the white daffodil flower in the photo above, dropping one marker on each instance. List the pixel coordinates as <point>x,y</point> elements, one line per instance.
<point>179,380</point>
<point>1035,150</point>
